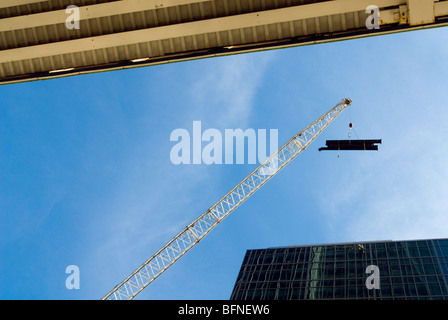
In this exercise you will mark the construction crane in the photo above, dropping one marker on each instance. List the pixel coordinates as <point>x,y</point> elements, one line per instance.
<point>178,246</point>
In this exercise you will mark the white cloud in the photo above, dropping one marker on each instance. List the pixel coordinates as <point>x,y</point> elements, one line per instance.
<point>225,90</point>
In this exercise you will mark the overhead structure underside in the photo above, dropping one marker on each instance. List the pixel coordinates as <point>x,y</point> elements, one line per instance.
<point>35,42</point>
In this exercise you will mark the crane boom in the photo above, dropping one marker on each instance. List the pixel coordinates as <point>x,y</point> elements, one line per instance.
<point>152,268</point>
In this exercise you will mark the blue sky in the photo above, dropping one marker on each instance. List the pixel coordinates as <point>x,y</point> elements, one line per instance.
<point>86,177</point>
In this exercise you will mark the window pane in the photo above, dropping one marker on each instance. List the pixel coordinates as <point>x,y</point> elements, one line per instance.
<point>444,250</point>
<point>424,251</point>
<point>386,290</point>
<point>351,292</point>
<point>327,292</point>
<point>339,292</point>
<point>398,290</point>
<point>392,252</point>
<point>429,269</point>
<point>434,289</point>
<point>421,290</point>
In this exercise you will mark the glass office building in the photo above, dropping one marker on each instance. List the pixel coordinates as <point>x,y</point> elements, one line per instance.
<point>402,270</point>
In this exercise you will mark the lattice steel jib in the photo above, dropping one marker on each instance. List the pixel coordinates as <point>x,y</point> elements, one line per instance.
<point>152,268</point>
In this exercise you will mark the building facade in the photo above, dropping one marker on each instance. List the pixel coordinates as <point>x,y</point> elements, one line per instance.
<point>402,270</point>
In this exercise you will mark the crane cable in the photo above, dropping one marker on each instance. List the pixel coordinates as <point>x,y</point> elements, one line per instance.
<point>352,127</point>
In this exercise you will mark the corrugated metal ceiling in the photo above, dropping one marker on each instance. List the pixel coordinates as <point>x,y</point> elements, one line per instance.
<point>36,44</point>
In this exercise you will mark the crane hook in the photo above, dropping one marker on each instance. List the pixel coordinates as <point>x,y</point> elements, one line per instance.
<point>350,125</point>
